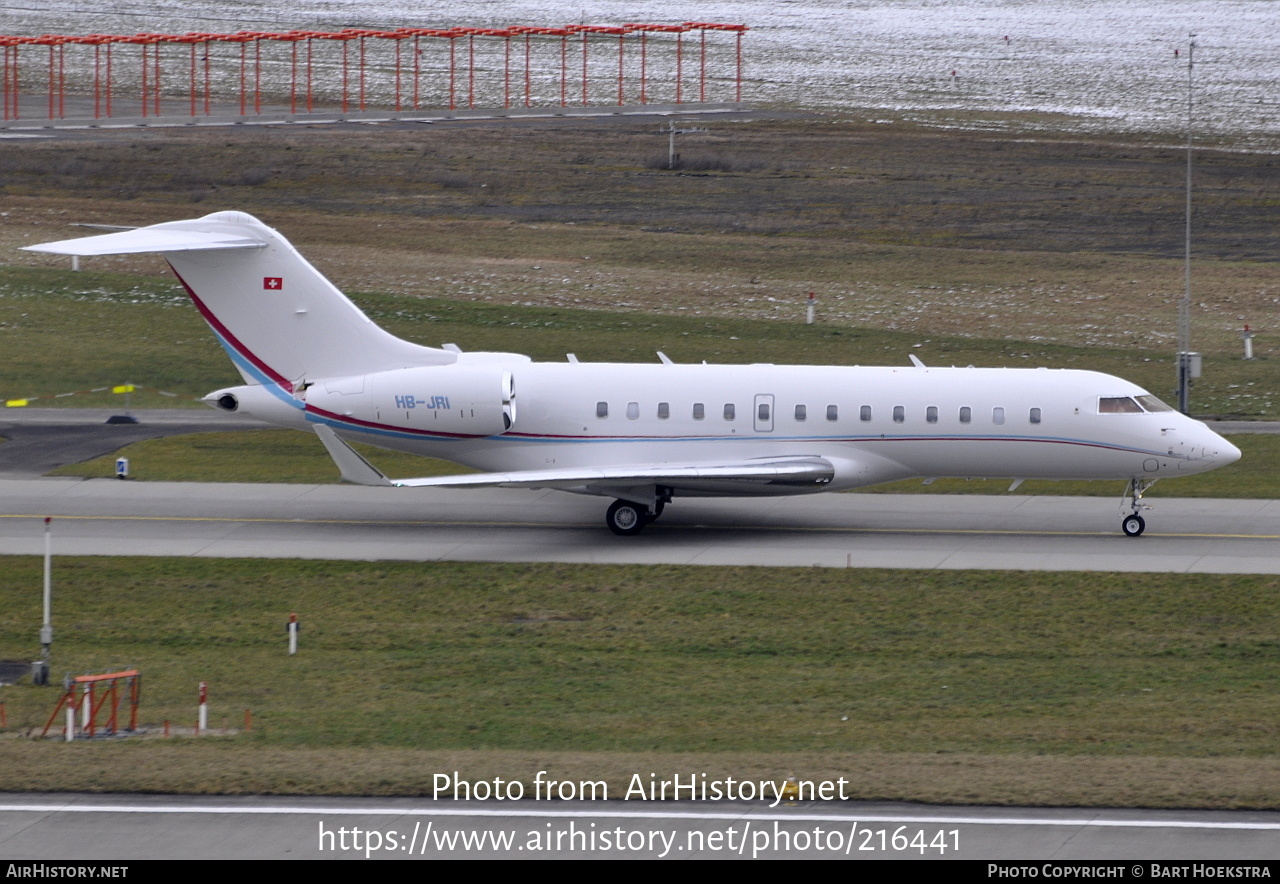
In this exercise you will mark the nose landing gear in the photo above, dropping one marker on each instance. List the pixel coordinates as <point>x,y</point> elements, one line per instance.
<point>1133,524</point>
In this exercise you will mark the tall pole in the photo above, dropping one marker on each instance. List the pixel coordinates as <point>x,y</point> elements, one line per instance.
<point>1184,308</point>
<point>46,628</point>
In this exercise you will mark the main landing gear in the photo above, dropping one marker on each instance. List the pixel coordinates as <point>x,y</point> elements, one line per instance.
<point>626,517</point>
<point>1133,524</point>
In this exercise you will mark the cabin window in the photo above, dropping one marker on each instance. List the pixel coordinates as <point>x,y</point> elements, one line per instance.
<point>966,414</point>
<point>602,409</point>
<point>802,413</point>
<point>699,411</point>
<point>729,411</point>
<point>1118,405</point>
<point>997,416</point>
<point>931,414</point>
<point>833,413</point>
<point>899,414</point>
<point>633,411</point>
<point>1151,403</point>
<point>664,410</point>
<point>1035,415</point>
<point>762,411</point>
<point>864,413</point>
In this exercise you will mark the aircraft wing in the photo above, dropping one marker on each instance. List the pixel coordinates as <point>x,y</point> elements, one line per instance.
<point>792,472</point>
<point>759,475</point>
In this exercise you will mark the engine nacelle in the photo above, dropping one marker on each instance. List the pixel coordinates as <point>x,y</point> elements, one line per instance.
<point>259,402</point>
<point>463,400</point>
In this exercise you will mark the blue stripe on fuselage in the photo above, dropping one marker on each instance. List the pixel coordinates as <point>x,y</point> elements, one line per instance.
<point>247,367</point>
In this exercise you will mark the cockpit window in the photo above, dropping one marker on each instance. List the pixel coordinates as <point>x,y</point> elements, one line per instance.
<point>1118,405</point>
<point>1151,403</point>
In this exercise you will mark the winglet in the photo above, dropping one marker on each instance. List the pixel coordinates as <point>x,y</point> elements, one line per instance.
<point>355,469</point>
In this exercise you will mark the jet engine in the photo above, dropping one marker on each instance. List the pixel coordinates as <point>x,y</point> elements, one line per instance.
<point>463,400</point>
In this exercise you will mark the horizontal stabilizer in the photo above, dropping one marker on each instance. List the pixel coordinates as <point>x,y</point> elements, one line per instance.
<point>148,239</point>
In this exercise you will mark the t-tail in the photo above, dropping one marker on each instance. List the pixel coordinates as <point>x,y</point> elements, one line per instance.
<point>282,323</point>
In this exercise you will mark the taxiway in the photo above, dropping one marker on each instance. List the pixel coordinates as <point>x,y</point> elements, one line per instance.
<point>112,517</point>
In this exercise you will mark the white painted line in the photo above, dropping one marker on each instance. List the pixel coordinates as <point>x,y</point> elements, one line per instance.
<point>641,814</point>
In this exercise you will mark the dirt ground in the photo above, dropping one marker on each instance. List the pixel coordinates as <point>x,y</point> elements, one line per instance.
<point>893,226</point>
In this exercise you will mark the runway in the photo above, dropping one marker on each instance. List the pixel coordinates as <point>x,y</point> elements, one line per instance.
<point>109,828</point>
<point>111,517</point>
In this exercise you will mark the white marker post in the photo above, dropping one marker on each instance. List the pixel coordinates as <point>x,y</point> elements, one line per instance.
<point>808,313</point>
<point>71,720</point>
<point>1247,335</point>
<point>46,628</point>
<point>292,629</point>
<point>202,723</point>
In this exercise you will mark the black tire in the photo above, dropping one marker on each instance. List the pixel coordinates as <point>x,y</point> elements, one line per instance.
<point>1134,525</point>
<point>625,518</point>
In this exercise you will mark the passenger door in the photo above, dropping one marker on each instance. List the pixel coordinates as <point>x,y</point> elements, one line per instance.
<point>762,414</point>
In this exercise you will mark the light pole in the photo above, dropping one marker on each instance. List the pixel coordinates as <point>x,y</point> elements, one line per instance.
<point>1184,307</point>
<point>672,156</point>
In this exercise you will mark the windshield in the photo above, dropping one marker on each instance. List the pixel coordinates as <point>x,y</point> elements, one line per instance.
<point>1151,403</point>
<point>1118,405</point>
<point>1130,404</point>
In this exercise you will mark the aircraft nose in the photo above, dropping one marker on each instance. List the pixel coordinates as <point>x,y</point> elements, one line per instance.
<point>1224,452</point>
<point>1217,449</point>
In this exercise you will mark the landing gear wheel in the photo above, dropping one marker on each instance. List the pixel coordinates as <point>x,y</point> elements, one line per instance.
<point>625,518</point>
<point>1134,525</point>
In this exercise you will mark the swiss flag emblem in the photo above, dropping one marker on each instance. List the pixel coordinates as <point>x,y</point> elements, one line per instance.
<point>274,283</point>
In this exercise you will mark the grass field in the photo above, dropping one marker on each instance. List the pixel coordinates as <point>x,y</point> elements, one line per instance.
<point>934,687</point>
<point>953,234</point>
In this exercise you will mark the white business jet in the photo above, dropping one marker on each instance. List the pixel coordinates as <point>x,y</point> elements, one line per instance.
<point>642,434</point>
